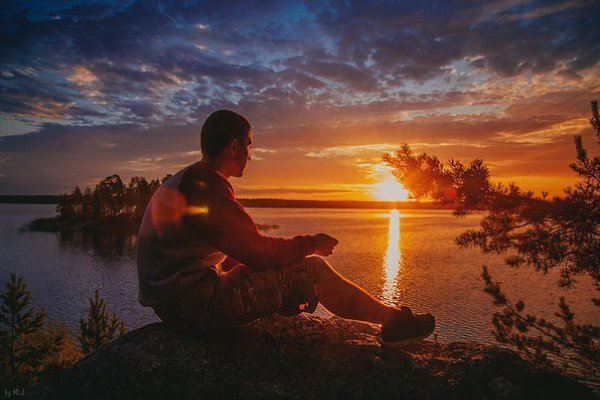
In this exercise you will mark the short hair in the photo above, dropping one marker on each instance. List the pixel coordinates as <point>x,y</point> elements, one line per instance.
<point>220,128</point>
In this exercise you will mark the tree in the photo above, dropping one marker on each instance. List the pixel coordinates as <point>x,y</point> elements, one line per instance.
<point>165,178</point>
<point>100,327</point>
<point>70,206</point>
<point>24,341</point>
<point>110,201</point>
<point>58,361</point>
<point>86,204</point>
<point>138,196</point>
<point>562,233</point>
<point>112,195</point>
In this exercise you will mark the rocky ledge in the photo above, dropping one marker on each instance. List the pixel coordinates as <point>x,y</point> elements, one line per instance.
<point>303,357</point>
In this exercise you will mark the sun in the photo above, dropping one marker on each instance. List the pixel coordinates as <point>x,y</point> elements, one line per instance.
<point>390,190</point>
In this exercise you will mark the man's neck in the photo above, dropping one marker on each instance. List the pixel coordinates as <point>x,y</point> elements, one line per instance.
<point>219,166</point>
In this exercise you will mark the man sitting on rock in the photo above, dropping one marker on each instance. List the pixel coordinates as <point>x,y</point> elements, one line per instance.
<point>203,263</point>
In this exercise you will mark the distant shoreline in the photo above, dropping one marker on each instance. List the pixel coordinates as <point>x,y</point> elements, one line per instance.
<point>29,199</point>
<point>266,203</point>
<point>357,204</point>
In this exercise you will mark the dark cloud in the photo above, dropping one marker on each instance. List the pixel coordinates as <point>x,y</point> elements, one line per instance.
<point>414,40</point>
<point>139,48</point>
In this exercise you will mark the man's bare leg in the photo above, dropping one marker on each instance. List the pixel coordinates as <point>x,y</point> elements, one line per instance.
<point>346,299</point>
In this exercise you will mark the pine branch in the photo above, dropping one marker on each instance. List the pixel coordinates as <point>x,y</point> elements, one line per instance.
<point>100,327</point>
<point>583,339</point>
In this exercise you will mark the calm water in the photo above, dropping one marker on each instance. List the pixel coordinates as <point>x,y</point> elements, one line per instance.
<point>405,257</point>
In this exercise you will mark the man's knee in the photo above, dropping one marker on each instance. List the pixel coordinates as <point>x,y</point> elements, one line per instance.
<point>319,265</point>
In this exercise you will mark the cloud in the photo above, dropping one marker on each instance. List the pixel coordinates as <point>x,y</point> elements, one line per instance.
<point>144,49</point>
<point>82,75</point>
<point>57,158</point>
<point>124,86</point>
<point>415,41</point>
<point>337,151</point>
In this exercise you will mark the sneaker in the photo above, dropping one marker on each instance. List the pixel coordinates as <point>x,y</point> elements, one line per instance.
<point>404,328</point>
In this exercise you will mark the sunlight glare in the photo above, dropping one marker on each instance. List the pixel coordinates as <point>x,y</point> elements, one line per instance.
<point>393,258</point>
<point>390,190</point>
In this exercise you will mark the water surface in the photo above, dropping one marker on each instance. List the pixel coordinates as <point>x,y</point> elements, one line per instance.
<point>405,257</point>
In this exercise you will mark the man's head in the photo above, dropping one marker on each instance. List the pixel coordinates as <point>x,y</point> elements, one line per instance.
<point>226,136</point>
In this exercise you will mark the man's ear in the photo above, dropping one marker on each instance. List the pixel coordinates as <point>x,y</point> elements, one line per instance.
<point>233,146</point>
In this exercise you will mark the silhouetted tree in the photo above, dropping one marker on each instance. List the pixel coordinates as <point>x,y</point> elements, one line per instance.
<point>138,196</point>
<point>57,361</point>
<point>110,200</point>
<point>24,342</point>
<point>562,232</point>
<point>154,185</point>
<point>164,179</point>
<point>100,327</point>
<point>112,195</point>
<point>87,204</point>
<point>96,204</point>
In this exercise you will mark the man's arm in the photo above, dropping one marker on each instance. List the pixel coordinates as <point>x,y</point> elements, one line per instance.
<point>231,230</point>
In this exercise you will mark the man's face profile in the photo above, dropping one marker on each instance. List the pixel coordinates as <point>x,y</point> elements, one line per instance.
<point>242,155</point>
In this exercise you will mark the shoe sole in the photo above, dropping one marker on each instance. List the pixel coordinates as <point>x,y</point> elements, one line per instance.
<point>402,343</point>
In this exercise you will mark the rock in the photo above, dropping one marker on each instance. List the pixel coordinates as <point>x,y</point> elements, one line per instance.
<point>303,357</point>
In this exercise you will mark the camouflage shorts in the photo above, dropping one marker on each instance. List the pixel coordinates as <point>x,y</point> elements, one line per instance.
<point>242,295</point>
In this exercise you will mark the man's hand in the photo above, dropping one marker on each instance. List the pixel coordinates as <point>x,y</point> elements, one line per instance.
<point>324,244</point>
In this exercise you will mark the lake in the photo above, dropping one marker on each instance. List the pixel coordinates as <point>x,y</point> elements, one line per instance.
<point>405,257</point>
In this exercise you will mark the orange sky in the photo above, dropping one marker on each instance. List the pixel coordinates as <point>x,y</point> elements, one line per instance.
<point>328,87</point>
<point>528,140</point>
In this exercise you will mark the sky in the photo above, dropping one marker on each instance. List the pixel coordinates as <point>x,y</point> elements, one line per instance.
<point>95,88</point>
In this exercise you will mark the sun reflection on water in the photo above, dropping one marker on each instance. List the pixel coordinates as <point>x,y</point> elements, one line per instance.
<point>392,260</point>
